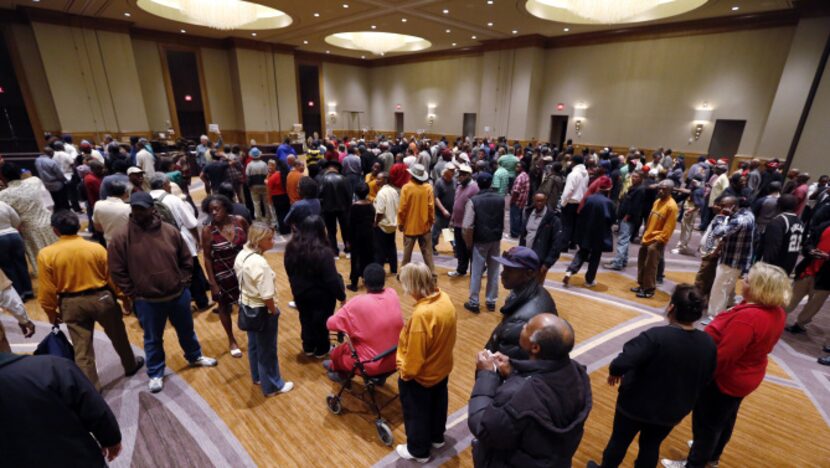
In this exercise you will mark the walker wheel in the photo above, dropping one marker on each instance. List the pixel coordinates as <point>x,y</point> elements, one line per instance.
<point>384,432</point>
<point>334,405</point>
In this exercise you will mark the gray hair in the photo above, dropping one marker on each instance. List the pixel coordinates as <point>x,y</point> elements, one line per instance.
<point>157,181</point>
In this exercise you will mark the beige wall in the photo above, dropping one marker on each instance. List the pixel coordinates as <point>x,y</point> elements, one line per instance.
<point>811,153</point>
<point>224,108</point>
<point>35,75</point>
<point>266,81</point>
<point>347,87</point>
<point>148,61</point>
<point>453,84</point>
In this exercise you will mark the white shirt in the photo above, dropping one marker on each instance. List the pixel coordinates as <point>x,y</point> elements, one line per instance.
<point>96,155</point>
<point>576,184</point>
<point>9,219</point>
<point>111,214</point>
<point>183,214</point>
<point>256,278</point>
<point>70,150</point>
<point>144,160</point>
<point>386,204</point>
<point>64,161</point>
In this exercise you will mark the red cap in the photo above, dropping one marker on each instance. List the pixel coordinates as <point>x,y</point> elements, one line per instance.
<point>646,169</point>
<point>723,161</point>
<point>605,184</point>
<point>711,161</point>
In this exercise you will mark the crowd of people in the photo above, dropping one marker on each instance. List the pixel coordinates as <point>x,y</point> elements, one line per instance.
<point>530,401</point>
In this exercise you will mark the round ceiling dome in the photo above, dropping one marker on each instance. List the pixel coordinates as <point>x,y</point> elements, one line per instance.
<point>609,11</point>
<point>218,14</point>
<point>378,43</point>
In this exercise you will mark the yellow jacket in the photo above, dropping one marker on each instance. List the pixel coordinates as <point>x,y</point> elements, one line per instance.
<point>661,222</point>
<point>427,341</point>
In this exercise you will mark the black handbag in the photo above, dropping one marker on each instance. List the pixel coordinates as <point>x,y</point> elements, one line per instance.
<point>56,344</point>
<point>252,319</point>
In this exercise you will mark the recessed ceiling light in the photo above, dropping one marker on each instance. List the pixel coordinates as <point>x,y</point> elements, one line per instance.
<point>473,37</point>
<point>736,8</point>
<point>363,57</point>
<point>253,34</point>
<point>345,5</point>
<point>449,31</point>
<point>453,44</point>
<point>182,31</point>
<point>515,32</point>
<point>127,15</point>
<point>316,15</point>
<point>403,20</point>
<point>567,29</point>
<point>305,42</point>
<point>446,11</point>
<point>490,2</point>
<point>36,1</point>
<point>490,24</point>
<point>374,27</point>
<point>328,51</point>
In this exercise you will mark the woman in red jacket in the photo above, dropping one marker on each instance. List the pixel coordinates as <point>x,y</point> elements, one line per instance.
<point>744,335</point>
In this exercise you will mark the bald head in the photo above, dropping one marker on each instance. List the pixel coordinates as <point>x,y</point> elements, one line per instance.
<point>548,337</point>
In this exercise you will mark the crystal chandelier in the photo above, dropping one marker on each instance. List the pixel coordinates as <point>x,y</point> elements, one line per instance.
<point>610,11</point>
<point>220,14</point>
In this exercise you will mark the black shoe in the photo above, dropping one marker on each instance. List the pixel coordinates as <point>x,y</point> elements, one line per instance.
<point>491,306</point>
<point>826,348</point>
<point>646,294</point>
<point>636,290</point>
<point>795,329</point>
<point>471,308</point>
<point>659,280</point>
<point>139,363</point>
<point>591,464</point>
<point>352,287</point>
<point>824,361</point>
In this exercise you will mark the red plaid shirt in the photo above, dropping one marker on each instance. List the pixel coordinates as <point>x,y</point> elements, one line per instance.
<point>521,188</point>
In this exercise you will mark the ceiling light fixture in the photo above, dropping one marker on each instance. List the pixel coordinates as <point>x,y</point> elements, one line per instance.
<point>127,15</point>
<point>316,15</point>
<point>374,27</point>
<point>515,32</point>
<point>378,43</point>
<point>490,24</point>
<point>363,57</point>
<point>305,42</point>
<point>473,37</point>
<point>253,34</point>
<point>345,5</point>
<point>446,11</point>
<point>448,31</point>
<point>403,20</point>
<point>218,14</point>
<point>609,12</point>
<point>736,8</point>
<point>490,2</point>
<point>328,51</point>
<point>453,44</point>
<point>182,31</point>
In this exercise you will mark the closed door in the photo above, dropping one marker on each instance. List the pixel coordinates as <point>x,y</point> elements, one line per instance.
<point>398,122</point>
<point>558,129</point>
<point>469,125</point>
<point>726,138</point>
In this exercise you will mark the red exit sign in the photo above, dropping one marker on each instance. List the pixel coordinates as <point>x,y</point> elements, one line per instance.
<point>560,107</point>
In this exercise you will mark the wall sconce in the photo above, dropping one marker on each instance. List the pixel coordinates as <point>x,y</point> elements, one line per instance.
<point>703,115</point>
<point>332,112</point>
<point>579,117</point>
<point>431,113</point>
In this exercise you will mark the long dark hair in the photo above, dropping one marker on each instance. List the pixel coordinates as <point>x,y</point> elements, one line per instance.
<point>308,248</point>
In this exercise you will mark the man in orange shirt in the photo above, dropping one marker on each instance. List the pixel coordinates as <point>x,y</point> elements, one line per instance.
<point>416,215</point>
<point>292,184</point>
<point>660,226</point>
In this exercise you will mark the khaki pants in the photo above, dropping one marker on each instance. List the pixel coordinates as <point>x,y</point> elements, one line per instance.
<point>80,314</point>
<point>647,261</point>
<point>723,289</point>
<point>424,243</point>
<point>706,275</point>
<point>815,299</point>
<point>262,204</point>
<point>687,227</point>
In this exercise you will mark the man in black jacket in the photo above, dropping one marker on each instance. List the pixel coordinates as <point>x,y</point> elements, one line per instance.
<point>542,232</point>
<point>335,200</point>
<point>52,415</point>
<point>530,413</point>
<point>783,235</point>
<point>630,216</point>
<point>483,228</point>
<point>593,234</point>
<point>527,299</point>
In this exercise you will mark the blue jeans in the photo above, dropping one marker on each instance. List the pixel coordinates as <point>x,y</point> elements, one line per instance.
<point>623,241</point>
<point>485,252</point>
<point>153,317</point>
<point>515,220</point>
<point>262,356</point>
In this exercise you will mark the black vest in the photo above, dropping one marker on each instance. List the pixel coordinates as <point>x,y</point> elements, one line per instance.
<point>488,206</point>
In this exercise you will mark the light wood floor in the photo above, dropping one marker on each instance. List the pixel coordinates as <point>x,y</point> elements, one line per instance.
<point>778,426</point>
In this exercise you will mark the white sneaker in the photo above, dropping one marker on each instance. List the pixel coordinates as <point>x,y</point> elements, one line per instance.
<point>675,251</point>
<point>438,445</point>
<point>454,274</point>
<point>590,285</point>
<point>286,387</point>
<point>673,463</point>
<point>203,361</point>
<point>404,453</point>
<point>690,442</point>
<point>292,304</point>
<point>156,384</point>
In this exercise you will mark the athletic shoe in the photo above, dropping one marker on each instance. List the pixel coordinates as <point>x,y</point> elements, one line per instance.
<point>139,363</point>
<point>826,348</point>
<point>673,463</point>
<point>612,266</point>
<point>156,384</point>
<point>636,290</point>
<point>824,361</point>
<point>491,306</point>
<point>590,285</point>
<point>795,329</point>
<point>403,452</point>
<point>455,274</point>
<point>472,308</point>
<point>203,361</point>
<point>287,387</point>
<point>292,304</point>
<point>438,445</point>
<point>591,464</point>
<point>566,279</point>
<point>645,294</point>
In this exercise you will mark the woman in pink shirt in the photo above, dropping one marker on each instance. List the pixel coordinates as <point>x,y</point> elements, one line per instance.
<point>373,323</point>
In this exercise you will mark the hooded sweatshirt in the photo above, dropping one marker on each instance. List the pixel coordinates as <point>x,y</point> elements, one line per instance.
<point>534,418</point>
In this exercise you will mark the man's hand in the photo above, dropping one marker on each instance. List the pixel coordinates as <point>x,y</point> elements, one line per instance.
<point>110,453</point>
<point>503,363</point>
<point>27,328</point>
<point>54,318</point>
<point>543,271</point>
<point>485,361</point>
<point>400,227</point>
<point>820,254</point>
<point>445,213</point>
<point>614,379</point>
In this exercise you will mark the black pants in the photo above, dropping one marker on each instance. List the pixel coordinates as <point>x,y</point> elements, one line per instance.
<point>568,225</point>
<point>13,263</point>
<point>72,192</point>
<point>315,308</point>
<point>363,253</point>
<point>424,415</point>
<point>592,257</point>
<point>61,198</point>
<point>281,206</point>
<point>385,249</point>
<point>332,218</point>
<point>625,429</point>
<point>462,251</point>
<point>198,285</point>
<point>712,422</point>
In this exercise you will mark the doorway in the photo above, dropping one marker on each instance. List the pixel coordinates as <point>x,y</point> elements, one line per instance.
<point>399,123</point>
<point>187,93</point>
<point>16,134</point>
<point>558,130</point>
<point>726,138</point>
<point>469,125</point>
<point>309,78</point>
